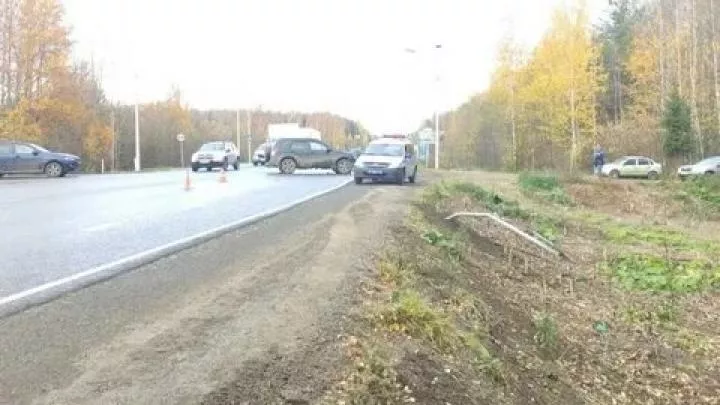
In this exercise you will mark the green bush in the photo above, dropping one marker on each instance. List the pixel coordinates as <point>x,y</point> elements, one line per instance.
<point>665,313</point>
<point>410,314</point>
<point>653,273</point>
<point>546,332</point>
<point>491,200</point>
<point>529,181</point>
<point>548,228</point>
<point>544,185</point>
<point>705,189</point>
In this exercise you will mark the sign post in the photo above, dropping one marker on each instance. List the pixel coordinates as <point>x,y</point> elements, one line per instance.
<point>181,139</point>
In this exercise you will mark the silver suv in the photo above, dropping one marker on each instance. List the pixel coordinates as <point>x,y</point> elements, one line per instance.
<point>216,154</point>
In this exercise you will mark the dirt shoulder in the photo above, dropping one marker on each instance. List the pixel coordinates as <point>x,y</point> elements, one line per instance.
<point>266,331</point>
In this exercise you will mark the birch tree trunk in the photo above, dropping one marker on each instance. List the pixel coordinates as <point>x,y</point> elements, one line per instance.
<point>713,39</point>
<point>678,54</point>
<point>693,82</point>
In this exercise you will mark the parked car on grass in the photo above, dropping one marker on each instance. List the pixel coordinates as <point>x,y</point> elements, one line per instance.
<point>633,166</point>
<point>216,154</point>
<point>707,166</point>
<point>28,158</point>
<point>289,154</point>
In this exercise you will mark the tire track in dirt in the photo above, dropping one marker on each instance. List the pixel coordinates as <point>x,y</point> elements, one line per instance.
<point>275,307</point>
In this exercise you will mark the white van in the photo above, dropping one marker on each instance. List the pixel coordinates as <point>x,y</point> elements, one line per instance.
<point>390,158</point>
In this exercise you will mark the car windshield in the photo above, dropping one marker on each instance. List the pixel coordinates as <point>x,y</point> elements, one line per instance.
<point>620,160</point>
<point>709,160</point>
<point>215,146</point>
<point>383,149</point>
<point>40,148</point>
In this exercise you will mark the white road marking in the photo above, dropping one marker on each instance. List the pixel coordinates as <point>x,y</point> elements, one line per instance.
<point>101,227</point>
<point>136,260</point>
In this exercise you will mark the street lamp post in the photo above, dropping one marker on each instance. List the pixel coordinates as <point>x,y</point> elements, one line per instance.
<point>137,125</point>
<point>237,128</point>
<point>437,112</point>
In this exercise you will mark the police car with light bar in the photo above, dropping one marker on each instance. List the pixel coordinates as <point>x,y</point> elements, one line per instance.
<point>391,158</point>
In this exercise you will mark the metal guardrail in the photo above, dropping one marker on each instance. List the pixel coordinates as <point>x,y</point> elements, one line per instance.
<point>538,241</point>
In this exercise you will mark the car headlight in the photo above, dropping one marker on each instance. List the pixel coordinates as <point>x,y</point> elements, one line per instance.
<point>394,164</point>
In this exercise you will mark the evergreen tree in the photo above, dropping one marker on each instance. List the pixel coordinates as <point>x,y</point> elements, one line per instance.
<point>677,122</point>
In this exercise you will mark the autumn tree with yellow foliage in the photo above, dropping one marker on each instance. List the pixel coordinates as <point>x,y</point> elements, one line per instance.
<point>545,101</point>
<point>608,82</point>
<point>44,98</point>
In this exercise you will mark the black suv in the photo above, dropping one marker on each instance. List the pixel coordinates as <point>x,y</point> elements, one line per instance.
<point>289,154</point>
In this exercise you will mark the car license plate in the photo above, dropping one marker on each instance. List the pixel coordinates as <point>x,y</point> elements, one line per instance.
<point>204,161</point>
<point>374,171</point>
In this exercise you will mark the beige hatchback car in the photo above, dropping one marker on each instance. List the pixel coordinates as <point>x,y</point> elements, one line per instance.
<point>633,166</point>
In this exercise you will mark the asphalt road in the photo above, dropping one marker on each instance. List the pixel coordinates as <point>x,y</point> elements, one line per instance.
<point>54,228</point>
<point>177,329</point>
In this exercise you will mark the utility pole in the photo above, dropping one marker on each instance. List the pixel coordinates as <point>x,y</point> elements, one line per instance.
<point>237,128</point>
<point>249,135</point>
<point>113,150</point>
<point>137,137</point>
<point>437,111</point>
<point>137,124</point>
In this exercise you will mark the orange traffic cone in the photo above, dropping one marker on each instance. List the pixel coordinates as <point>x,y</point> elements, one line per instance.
<point>223,176</point>
<point>188,186</point>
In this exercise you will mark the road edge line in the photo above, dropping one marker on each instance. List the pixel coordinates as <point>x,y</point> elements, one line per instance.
<point>52,290</point>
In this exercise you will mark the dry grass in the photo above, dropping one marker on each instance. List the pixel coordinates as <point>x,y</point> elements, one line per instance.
<point>543,329</point>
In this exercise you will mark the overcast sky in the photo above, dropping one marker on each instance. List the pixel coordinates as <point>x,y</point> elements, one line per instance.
<point>343,56</point>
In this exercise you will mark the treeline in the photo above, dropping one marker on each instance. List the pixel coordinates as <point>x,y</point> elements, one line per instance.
<point>645,81</point>
<point>160,123</point>
<point>48,99</point>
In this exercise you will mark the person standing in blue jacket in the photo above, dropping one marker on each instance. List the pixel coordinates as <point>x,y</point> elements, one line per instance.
<point>598,159</point>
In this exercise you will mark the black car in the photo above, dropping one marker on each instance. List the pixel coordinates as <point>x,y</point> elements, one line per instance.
<point>28,158</point>
<point>289,154</point>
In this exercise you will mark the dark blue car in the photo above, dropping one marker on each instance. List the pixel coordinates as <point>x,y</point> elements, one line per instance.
<point>28,158</point>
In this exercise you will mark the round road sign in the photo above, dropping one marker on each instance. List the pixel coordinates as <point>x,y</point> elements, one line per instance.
<point>180,137</point>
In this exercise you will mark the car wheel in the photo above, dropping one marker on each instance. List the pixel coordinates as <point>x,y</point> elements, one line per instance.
<point>195,168</point>
<point>54,169</point>
<point>358,180</point>
<point>226,165</point>
<point>653,175</point>
<point>236,166</point>
<point>343,166</point>
<point>288,166</point>
<point>615,174</point>
<point>411,179</point>
<point>255,164</point>
<point>401,177</point>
